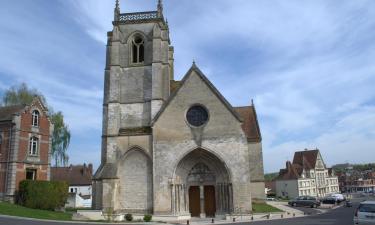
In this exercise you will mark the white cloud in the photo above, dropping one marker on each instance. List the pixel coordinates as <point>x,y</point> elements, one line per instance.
<point>309,66</point>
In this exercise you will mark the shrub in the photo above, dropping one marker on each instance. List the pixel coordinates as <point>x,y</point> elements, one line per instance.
<point>47,195</point>
<point>147,218</point>
<point>129,217</point>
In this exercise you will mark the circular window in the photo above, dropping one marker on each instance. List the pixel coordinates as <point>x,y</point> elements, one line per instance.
<point>197,116</point>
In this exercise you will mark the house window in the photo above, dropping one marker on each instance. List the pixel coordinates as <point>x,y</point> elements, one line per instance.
<point>30,174</point>
<point>35,118</point>
<point>71,190</point>
<point>33,146</point>
<point>138,49</point>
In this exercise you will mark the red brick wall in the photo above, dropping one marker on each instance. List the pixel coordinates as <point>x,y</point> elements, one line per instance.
<point>4,148</point>
<point>43,133</point>
<point>24,160</point>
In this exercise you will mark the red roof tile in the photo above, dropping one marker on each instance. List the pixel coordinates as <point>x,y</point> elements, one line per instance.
<point>250,123</point>
<point>79,175</point>
<point>7,112</point>
<point>306,159</point>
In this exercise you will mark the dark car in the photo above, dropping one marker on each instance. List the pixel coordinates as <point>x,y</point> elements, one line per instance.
<point>305,201</point>
<point>329,200</point>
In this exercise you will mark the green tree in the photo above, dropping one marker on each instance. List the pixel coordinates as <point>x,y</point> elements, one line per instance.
<point>61,135</point>
<point>60,139</point>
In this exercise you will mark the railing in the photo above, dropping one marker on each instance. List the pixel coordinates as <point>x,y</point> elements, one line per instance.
<point>138,16</point>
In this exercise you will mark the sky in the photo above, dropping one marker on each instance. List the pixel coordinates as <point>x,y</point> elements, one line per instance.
<point>309,66</point>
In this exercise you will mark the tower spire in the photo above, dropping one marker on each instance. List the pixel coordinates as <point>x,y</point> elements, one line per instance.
<point>117,10</point>
<point>160,8</point>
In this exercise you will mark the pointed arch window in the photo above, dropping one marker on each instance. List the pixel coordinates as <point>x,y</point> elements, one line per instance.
<point>33,146</point>
<point>35,118</point>
<point>138,49</point>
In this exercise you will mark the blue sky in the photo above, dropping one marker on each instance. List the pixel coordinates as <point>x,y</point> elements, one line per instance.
<point>308,65</point>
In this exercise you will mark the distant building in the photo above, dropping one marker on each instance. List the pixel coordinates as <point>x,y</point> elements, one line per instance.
<point>307,175</point>
<point>270,187</point>
<point>353,181</point>
<point>79,178</point>
<point>25,146</point>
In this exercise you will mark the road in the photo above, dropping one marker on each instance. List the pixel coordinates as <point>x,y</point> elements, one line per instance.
<point>339,216</point>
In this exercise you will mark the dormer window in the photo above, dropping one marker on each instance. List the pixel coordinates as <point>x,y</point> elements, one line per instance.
<point>35,118</point>
<point>138,49</point>
<point>33,146</point>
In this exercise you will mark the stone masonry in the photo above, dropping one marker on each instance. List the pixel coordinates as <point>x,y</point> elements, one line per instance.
<point>170,148</point>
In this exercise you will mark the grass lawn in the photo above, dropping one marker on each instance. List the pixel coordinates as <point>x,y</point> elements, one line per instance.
<point>264,208</point>
<point>16,210</point>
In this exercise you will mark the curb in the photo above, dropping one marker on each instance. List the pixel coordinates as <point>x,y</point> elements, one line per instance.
<point>70,222</point>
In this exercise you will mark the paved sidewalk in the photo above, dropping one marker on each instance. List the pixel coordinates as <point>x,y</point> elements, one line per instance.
<point>284,207</point>
<point>288,212</point>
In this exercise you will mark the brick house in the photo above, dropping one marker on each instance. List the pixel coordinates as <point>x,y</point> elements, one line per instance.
<point>25,145</point>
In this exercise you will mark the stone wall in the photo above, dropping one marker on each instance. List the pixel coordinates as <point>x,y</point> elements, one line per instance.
<point>222,136</point>
<point>256,170</point>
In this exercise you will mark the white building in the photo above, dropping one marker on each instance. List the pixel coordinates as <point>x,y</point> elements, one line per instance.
<point>80,184</point>
<point>307,175</point>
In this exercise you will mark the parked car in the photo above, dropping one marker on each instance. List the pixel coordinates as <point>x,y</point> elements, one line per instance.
<point>365,214</point>
<point>329,200</point>
<point>339,197</point>
<point>310,201</point>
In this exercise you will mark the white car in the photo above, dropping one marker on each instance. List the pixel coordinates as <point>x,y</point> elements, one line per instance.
<point>338,197</point>
<point>365,214</point>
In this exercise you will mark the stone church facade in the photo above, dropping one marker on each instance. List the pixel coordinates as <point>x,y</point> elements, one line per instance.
<point>170,148</point>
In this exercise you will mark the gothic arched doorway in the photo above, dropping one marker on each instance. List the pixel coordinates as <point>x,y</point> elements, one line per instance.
<point>202,185</point>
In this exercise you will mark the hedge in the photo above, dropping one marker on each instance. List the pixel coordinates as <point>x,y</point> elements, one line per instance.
<point>47,195</point>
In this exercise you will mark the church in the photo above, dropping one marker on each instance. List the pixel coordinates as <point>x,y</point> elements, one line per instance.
<point>171,148</point>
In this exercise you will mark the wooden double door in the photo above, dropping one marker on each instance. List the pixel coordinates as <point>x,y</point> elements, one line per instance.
<point>195,201</point>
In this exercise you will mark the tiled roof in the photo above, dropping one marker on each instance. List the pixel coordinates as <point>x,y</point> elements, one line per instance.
<point>291,172</point>
<point>250,123</point>
<point>7,112</point>
<point>306,159</point>
<point>79,175</point>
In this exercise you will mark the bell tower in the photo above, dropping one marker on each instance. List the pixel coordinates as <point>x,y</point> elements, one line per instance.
<point>139,67</point>
<point>138,72</point>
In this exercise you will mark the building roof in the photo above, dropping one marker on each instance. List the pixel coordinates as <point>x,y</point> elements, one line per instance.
<point>79,175</point>
<point>250,123</point>
<point>306,159</point>
<point>200,74</point>
<point>291,172</point>
<point>302,161</point>
<point>7,112</point>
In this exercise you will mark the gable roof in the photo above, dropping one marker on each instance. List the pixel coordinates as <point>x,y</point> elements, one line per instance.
<point>7,112</point>
<point>303,160</point>
<point>250,123</point>
<point>200,74</point>
<point>80,175</point>
<point>291,172</point>
<point>307,159</point>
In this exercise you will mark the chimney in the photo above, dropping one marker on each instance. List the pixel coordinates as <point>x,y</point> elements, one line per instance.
<point>90,168</point>
<point>288,165</point>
